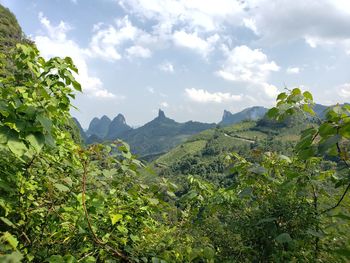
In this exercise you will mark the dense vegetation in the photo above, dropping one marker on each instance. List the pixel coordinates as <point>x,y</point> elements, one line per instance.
<point>63,202</point>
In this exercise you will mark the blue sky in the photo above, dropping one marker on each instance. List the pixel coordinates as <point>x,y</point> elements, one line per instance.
<point>192,58</point>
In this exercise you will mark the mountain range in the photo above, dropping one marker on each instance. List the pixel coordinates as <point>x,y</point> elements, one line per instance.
<point>162,133</point>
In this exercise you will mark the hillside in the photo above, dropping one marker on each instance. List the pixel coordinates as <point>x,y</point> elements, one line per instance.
<point>10,35</point>
<point>154,138</point>
<point>161,134</point>
<point>204,153</point>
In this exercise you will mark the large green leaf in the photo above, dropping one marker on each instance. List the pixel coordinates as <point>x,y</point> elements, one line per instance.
<point>17,146</point>
<point>36,140</point>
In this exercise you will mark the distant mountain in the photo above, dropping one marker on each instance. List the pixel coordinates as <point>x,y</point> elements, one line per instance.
<point>117,128</point>
<point>320,110</point>
<point>162,134</point>
<point>99,127</point>
<point>252,114</point>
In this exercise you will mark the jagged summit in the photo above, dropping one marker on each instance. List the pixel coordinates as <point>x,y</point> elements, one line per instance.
<point>99,127</point>
<point>120,119</point>
<point>105,118</point>
<point>117,127</point>
<point>161,114</point>
<point>226,114</point>
<point>253,113</point>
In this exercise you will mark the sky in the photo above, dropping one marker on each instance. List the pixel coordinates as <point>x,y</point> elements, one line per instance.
<point>192,58</point>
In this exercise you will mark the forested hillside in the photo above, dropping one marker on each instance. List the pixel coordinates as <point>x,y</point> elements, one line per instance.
<point>154,138</point>
<point>275,190</point>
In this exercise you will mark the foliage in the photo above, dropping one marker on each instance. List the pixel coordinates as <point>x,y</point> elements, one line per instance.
<point>60,202</point>
<point>10,34</point>
<point>243,199</point>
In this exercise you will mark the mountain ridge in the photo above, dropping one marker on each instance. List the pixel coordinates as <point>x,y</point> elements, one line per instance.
<point>163,133</point>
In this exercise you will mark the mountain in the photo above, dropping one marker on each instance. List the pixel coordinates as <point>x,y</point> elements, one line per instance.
<point>99,127</point>
<point>253,114</point>
<point>117,128</point>
<point>161,134</point>
<point>10,35</point>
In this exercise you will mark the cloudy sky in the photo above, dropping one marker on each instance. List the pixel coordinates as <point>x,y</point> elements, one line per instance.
<point>193,58</point>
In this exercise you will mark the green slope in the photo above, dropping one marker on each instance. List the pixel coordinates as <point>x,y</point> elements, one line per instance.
<point>204,154</point>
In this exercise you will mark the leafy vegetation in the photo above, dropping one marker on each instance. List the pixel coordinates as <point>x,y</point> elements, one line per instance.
<point>253,192</point>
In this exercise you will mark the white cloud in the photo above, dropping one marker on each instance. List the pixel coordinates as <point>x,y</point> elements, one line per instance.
<point>151,90</point>
<point>247,65</point>
<point>344,90</point>
<point>204,96</point>
<point>319,23</point>
<point>107,39</point>
<point>198,15</point>
<point>166,67</point>
<point>54,42</point>
<point>164,104</point>
<point>293,70</point>
<point>138,51</point>
<point>251,24</point>
<point>270,90</point>
<point>193,41</point>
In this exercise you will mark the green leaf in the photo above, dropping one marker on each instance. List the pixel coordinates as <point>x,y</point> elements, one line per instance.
<point>329,143</point>
<point>115,218</point>
<point>283,238</point>
<point>56,259</point>
<point>345,131</point>
<point>153,201</point>
<point>282,96</point>
<point>7,222</point>
<point>17,146</point>
<point>308,96</point>
<point>76,86</point>
<point>315,233</point>
<point>3,138</point>
<point>14,257</point>
<point>327,129</point>
<point>308,109</point>
<point>10,239</point>
<point>296,91</point>
<point>61,187</point>
<point>36,140</point>
<point>45,122</point>
<point>273,113</point>
<point>122,229</point>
